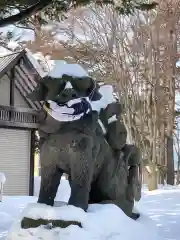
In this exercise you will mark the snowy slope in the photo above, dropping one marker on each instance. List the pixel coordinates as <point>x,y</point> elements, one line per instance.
<point>100,222</point>
<point>163,208</point>
<point>97,222</point>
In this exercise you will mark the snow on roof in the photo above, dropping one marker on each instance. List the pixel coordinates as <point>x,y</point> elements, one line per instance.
<point>36,62</point>
<point>12,45</point>
<point>4,51</point>
<point>61,67</point>
<point>41,65</point>
<point>44,66</point>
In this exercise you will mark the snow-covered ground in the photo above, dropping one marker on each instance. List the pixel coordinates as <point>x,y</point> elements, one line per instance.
<point>163,208</point>
<point>160,218</point>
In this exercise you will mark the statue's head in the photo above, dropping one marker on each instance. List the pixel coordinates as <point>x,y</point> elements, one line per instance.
<point>65,98</point>
<point>66,88</point>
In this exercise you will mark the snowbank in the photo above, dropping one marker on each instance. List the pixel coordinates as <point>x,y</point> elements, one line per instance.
<point>10,209</point>
<point>101,222</point>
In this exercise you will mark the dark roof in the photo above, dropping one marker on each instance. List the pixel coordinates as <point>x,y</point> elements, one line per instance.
<point>26,75</point>
<point>6,60</point>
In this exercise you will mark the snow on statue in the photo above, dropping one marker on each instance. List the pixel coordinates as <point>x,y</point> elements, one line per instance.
<point>82,134</point>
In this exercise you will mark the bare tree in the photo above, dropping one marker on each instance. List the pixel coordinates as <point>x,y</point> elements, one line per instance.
<point>138,55</point>
<point>177,150</point>
<point>43,10</point>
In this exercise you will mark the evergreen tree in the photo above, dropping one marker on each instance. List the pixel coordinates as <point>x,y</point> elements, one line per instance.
<point>13,11</point>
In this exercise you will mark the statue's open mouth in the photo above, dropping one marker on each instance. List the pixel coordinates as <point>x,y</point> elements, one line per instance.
<point>71,111</point>
<point>80,105</point>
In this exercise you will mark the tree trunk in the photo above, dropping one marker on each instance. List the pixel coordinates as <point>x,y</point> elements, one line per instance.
<point>153,179</point>
<point>170,161</point>
<point>178,171</point>
<point>152,182</point>
<point>163,178</point>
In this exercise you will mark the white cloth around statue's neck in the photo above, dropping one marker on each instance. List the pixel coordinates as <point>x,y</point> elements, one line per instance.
<point>64,113</point>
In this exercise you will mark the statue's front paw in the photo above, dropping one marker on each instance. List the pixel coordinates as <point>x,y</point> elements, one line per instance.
<point>79,196</point>
<point>76,202</point>
<point>135,216</point>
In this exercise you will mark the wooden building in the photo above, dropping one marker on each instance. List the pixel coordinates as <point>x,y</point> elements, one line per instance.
<point>18,77</point>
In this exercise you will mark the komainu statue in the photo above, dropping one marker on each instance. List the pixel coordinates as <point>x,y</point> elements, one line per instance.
<point>82,135</point>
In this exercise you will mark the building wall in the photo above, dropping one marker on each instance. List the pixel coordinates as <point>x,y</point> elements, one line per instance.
<point>5,94</point>
<point>15,160</point>
<point>4,91</point>
<point>14,147</point>
<point>19,100</point>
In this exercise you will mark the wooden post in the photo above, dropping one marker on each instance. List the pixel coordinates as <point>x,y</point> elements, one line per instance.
<point>1,191</point>
<point>2,181</point>
<point>12,89</point>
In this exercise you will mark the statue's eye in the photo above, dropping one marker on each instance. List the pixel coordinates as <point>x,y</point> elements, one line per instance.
<point>63,95</point>
<point>61,86</point>
<point>74,95</point>
<point>82,84</point>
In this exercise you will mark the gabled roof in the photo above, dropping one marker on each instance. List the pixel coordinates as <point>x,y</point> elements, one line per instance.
<point>26,74</point>
<point>8,61</point>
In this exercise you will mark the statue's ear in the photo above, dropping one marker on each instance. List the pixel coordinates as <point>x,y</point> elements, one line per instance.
<point>53,86</point>
<point>96,96</point>
<point>39,93</point>
<point>50,82</point>
<point>111,110</point>
<point>114,109</point>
